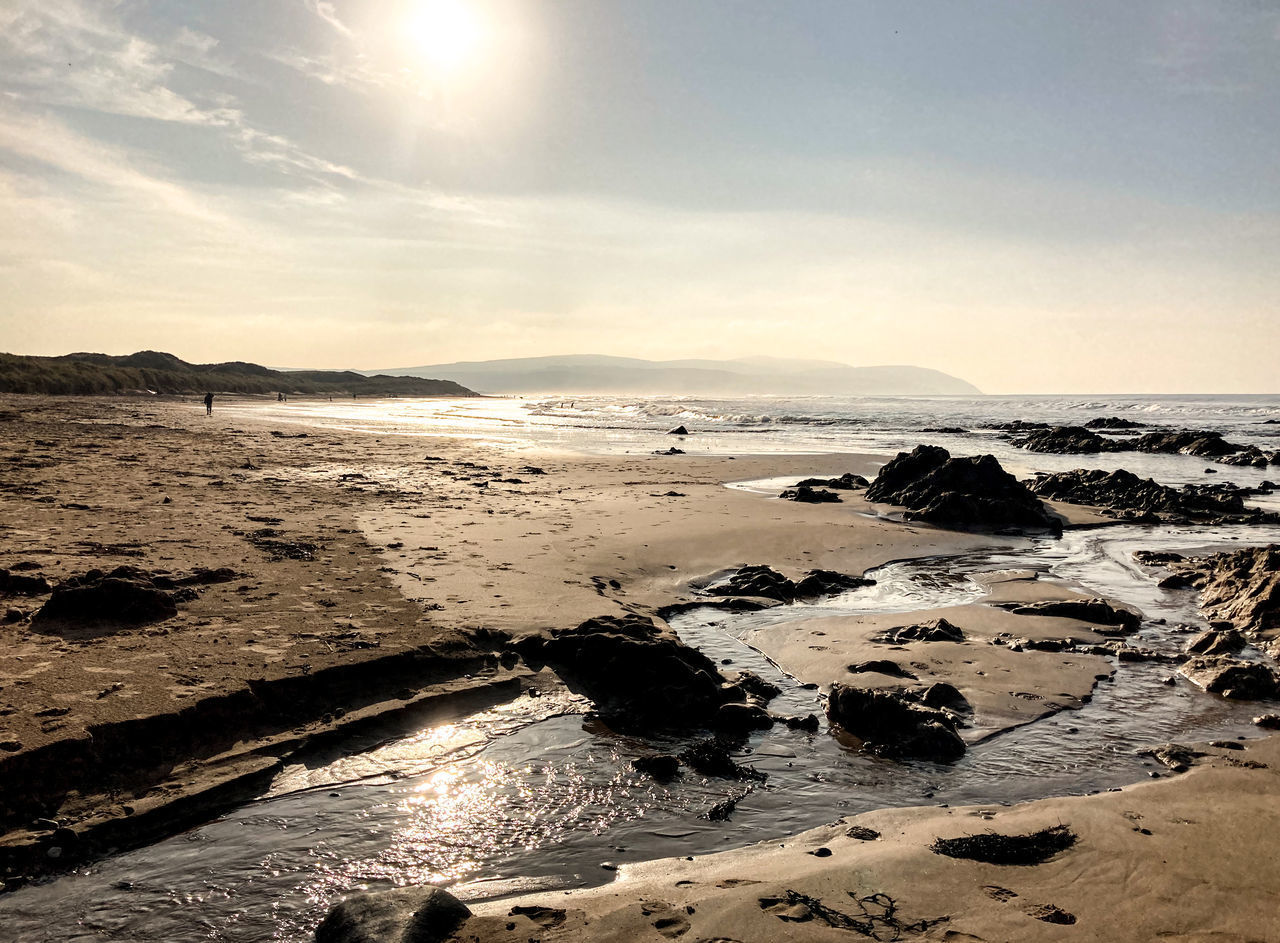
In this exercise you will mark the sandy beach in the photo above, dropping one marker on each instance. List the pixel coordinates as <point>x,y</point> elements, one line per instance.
<point>326,581</point>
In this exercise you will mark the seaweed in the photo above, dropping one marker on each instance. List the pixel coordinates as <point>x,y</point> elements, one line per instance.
<point>993,848</point>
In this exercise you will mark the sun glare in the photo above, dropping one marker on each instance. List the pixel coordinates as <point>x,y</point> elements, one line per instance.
<point>445,35</point>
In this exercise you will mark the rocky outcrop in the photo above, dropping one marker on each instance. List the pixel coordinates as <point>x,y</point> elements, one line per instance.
<point>1124,493</point>
<point>423,914</point>
<point>1202,444</point>
<point>1099,612</point>
<point>767,583</point>
<point>895,724</point>
<point>639,676</point>
<point>807,495</point>
<point>1253,456</point>
<point>846,482</point>
<point>967,493</point>
<point>126,596</point>
<point>20,584</point>
<point>1233,678</point>
<point>937,630</point>
<point>1113,422</point>
<point>1240,589</point>
<point>1037,437</point>
<point>1216,642</point>
<point>1070,440</point>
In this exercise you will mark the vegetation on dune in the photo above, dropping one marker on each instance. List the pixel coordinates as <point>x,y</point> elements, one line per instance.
<point>156,372</point>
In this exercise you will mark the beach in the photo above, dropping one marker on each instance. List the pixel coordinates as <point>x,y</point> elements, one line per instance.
<point>331,585</point>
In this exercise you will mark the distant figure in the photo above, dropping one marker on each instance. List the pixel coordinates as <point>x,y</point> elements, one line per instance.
<point>208,404</point>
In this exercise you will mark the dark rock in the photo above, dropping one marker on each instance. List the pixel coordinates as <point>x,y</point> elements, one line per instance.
<point>405,915</point>
<point>1268,721</point>
<point>1201,444</point>
<point>1068,440</point>
<point>19,584</point>
<point>828,583</point>
<point>993,848</point>
<point>1113,422</point>
<point>721,811</point>
<point>711,757</point>
<point>1157,557</point>
<point>971,493</point>
<point>1176,757</point>
<point>846,482</point>
<point>106,600</point>
<point>1020,425</point>
<point>1096,611</point>
<point>756,580</point>
<point>938,630</point>
<point>756,686</point>
<point>1252,456</point>
<point>806,495</point>
<point>659,766</point>
<point>671,451</point>
<point>942,694</point>
<point>891,725</point>
<point>1216,642</point>
<point>1177,581</point>
<point>637,674</point>
<point>678,430</point>
<point>862,833</point>
<point>946,430</point>
<point>808,723</point>
<point>1232,678</point>
<point>739,718</point>
<point>1122,490</point>
<point>881,666</point>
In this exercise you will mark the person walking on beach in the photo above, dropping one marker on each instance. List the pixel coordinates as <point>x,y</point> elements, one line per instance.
<point>208,404</point>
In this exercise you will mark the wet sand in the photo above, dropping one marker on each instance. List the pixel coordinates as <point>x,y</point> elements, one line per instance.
<point>380,574</point>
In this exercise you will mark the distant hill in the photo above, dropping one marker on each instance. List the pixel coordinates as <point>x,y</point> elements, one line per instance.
<point>599,374</point>
<point>151,370</point>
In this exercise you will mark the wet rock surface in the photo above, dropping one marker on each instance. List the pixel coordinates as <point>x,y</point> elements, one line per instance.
<point>894,724</point>
<point>766,583</point>
<point>1232,677</point>
<point>405,915</point>
<point>1240,589</point>
<point>639,676</point>
<point>968,493</point>
<point>1126,495</point>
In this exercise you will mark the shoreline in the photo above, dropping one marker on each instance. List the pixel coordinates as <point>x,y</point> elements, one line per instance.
<point>438,570</point>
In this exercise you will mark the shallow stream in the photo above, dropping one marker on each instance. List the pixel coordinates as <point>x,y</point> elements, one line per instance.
<point>535,794</point>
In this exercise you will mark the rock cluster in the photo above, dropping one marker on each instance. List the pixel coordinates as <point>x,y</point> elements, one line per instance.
<point>767,583</point>
<point>937,630</point>
<point>846,482</point>
<point>806,495</point>
<point>1125,494</point>
<point>1039,437</point>
<point>969,493</point>
<point>1239,588</point>
<point>1233,678</point>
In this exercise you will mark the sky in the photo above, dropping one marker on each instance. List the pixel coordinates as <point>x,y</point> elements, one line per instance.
<point>1068,196</point>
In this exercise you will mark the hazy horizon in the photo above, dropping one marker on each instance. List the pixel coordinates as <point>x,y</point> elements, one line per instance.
<point>1047,198</point>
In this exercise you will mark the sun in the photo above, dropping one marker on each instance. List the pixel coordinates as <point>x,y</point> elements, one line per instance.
<point>444,35</point>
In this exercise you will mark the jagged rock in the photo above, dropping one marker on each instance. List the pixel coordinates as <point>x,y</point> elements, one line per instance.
<point>1019,425</point>
<point>1202,444</point>
<point>938,630</point>
<point>126,596</point>
<point>659,766</point>
<point>882,666</point>
<point>807,495</point>
<point>1157,557</point>
<point>1252,456</point>
<point>1122,490</point>
<point>678,430</point>
<point>1070,440</point>
<point>828,583</point>
<point>1268,721</point>
<point>18,584</point>
<point>1216,642</point>
<point>757,580</point>
<point>1175,756</point>
<point>971,493</point>
<point>891,724</point>
<point>756,686</point>
<point>846,482</point>
<point>405,915</point>
<point>1113,422</point>
<point>1096,611</point>
<point>637,674</point>
<point>671,451</point>
<point>1232,678</point>
<point>1241,588</point>
<point>711,757</point>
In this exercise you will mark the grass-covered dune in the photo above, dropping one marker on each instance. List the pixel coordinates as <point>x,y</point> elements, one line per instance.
<point>156,372</point>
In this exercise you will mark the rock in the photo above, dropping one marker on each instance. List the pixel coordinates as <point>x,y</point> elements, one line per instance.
<point>942,694</point>
<point>846,482</point>
<point>124,597</point>
<point>1096,611</point>
<point>1122,490</point>
<point>1252,456</point>
<point>405,915</point>
<point>659,766</point>
<point>945,430</point>
<point>938,630</point>
<point>862,833</point>
<point>1268,721</point>
<point>756,686</point>
<point>1113,422</point>
<point>806,495</point>
<point>711,757</point>
<point>739,718</point>
<point>671,451</point>
<point>828,583</point>
<point>1240,588</point>
<point>678,430</point>
<point>1232,678</point>
<point>969,493</point>
<point>756,580</point>
<point>1157,557</point>
<point>1068,440</point>
<point>881,666</point>
<point>1201,444</point>
<point>892,725</point>
<point>638,675</point>
<point>1216,642</point>
<point>1174,756</point>
<point>808,723</point>
<point>19,584</point>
